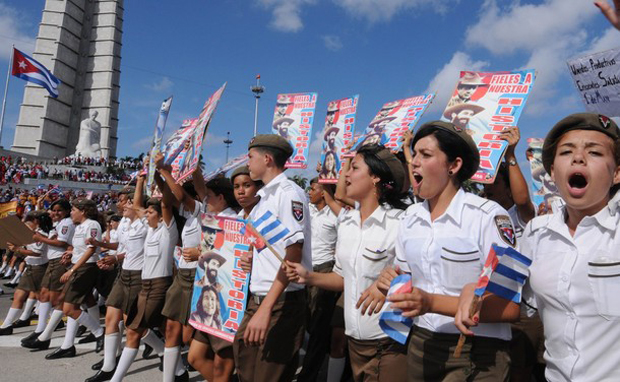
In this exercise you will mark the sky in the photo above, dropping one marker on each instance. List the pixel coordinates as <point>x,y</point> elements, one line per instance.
<point>383,50</point>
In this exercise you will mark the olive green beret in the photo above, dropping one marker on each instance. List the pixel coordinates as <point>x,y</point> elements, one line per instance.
<point>395,166</point>
<point>241,170</point>
<point>272,141</point>
<point>127,190</point>
<point>83,202</point>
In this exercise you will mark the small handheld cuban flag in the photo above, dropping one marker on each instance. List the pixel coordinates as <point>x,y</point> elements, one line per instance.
<point>392,321</point>
<point>269,229</point>
<point>31,70</point>
<point>510,274</point>
<point>485,276</point>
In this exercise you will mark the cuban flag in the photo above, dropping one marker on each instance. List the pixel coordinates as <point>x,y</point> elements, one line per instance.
<point>392,321</point>
<point>510,275</point>
<point>489,266</point>
<point>29,69</point>
<point>270,229</point>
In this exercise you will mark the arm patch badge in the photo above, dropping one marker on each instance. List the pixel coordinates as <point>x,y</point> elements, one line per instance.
<point>505,229</point>
<point>298,210</point>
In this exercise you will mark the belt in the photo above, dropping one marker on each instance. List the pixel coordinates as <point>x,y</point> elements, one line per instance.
<point>285,296</point>
<point>325,265</point>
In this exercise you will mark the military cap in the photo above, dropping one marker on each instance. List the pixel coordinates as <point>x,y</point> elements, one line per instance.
<point>220,182</point>
<point>329,131</point>
<point>272,141</point>
<point>577,121</point>
<point>284,100</point>
<point>127,190</point>
<point>395,166</point>
<point>332,107</point>
<point>83,203</point>
<point>471,78</point>
<point>456,109</point>
<point>241,170</point>
<point>205,257</point>
<point>474,159</point>
<point>282,120</point>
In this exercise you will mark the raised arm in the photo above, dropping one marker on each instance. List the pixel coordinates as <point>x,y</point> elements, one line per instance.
<point>518,185</point>
<point>613,15</point>
<point>199,184</point>
<point>179,193</point>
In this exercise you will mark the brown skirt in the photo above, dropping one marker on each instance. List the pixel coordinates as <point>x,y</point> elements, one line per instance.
<point>124,294</point>
<point>179,296</point>
<point>81,283</point>
<point>53,273</point>
<point>151,300</point>
<point>32,278</point>
<point>215,343</point>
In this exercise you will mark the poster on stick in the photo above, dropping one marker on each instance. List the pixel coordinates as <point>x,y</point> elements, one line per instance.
<point>221,286</point>
<point>292,120</point>
<point>597,79</point>
<point>337,135</point>
<point>484,104</point>
<point>160,125</point>
<point>544,191</point>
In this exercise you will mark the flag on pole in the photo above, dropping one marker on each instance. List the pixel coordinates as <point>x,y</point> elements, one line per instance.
<point>392,321</point>
<point>509,276</point>
<point>29,69</point>
<point>269,227</point>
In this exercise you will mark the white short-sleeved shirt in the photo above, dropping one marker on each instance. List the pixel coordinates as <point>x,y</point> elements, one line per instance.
<point>63,231</point>
<point>228,213</point>
<point>192,231</point>
<point>324,235</point>
<point>159,250</point>
<point>85,230</point>
<point>444,255</point>
<point>517,222</point>
<point>131,243</point>
<point>39,248</point>
<point>361,254</point>
<point>575,284</point>
<point>114,238</point>
<point>287,201</point>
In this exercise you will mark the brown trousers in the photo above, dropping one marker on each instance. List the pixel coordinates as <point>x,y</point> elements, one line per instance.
<point>278,357</point>
<point>383,360</point>
<point>430,358</point>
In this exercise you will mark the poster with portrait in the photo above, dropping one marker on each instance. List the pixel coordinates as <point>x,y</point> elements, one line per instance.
<point>485,103</point>
<point>337,135</point>
<point>221,286</point>
<point>391,122</point>
<point>160,125</point>
<point>292,120</point>
<point>597,79</point>
<point>175,144</point>
<point>544,191</point>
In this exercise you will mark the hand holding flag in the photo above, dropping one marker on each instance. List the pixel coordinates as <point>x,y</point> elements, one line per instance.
<point>265,232</point>
<point>392,321</point>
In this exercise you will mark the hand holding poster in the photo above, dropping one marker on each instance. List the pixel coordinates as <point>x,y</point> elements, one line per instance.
<point>394,118</point>
<point>157,136</point>
<point>221,286</point>
<point>484,104</point>
<point>337,135</point>
<point>597,78</point>
<point>292,120</point>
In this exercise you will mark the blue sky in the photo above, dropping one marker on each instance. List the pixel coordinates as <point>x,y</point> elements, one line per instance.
<point>380,49</point>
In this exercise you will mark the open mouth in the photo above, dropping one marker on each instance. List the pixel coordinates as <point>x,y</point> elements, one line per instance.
<point>578,181</point>
<point>418,178</point>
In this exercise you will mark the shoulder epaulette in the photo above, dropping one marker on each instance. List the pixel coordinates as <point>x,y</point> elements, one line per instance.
<point>483,204</point>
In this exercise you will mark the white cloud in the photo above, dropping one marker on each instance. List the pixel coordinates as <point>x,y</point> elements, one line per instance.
<point>286,13</point>
<point>445,80</point>
<point>12,24</point>
<point>143,144</point>
<point>332,42</point>
<point>164,85</point>
<point>609,40</point>
<point>383,10</point>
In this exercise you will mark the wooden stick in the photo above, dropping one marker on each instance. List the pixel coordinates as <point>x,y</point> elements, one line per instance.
<point>255,232</point>
<point>472,310</point>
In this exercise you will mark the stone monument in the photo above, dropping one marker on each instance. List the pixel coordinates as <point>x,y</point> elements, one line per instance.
<point>80,42</point>
<point>88,142</point>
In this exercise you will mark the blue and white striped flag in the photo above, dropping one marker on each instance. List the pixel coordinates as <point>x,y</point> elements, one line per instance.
<point>269,227</point>
<point>509,276</point>
<point>392,321</point>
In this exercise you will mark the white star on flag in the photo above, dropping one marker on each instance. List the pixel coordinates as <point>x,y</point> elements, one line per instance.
<point>22,65</point>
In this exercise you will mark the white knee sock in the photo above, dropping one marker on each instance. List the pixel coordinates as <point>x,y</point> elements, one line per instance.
<point>44,313</point>
<point>94,312</point>
<point>18,275</point>
<point>28,309</point>
<point>11,316</point>
<point>9,272</point>
<point>335,368</point>
<point>72,327</point>
<point>171,359</point>
<point>87,320</point>
<point>121,329</point>
<point>4,265</point>
<point>110,346</point>
<point>51,325</point>
<point>151,339</point>
<point>124,363</point>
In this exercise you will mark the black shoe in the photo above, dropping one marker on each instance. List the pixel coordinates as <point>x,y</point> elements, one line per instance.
<point>10,285</point>
<point>88,339</point>
<point>161,364</point>
<point>101,376</point>
<point>31,337</point>
<point>99,343</point>
<point>182,378</point>
<point>60,325</point>
<point>6,331</point>
<point>81,330</point>
<point>21,323</point>
<point>61,353</point>
<point>6,277</point>
<point>148,352</point>
<point>36,344</point>
<point>98,365</point>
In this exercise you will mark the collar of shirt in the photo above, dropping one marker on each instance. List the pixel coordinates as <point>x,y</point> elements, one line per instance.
<point>272,186</point>
<point>604,218</point>
<point>454,211</point>
<point>377,216</point>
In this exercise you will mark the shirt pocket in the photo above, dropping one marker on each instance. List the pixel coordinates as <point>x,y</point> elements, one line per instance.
<point>151,249</point>
<point>374,259</point>
<point>460,265</point>
<point>604,278</point>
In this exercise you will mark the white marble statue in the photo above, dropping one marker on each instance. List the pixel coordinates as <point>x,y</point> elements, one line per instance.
<point>90,133</point>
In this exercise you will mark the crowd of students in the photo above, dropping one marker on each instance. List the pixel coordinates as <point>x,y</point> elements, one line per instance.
<point>390,214</point>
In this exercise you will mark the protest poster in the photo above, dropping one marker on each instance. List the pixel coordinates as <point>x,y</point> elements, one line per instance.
<point>221,286</point>
<point>187,161</point>
<point>544,191</point>
<point>232,164</point>
<point>597,79</point>
<point>337,135</point>
<point>175,144</point>
<point>485,103</point>
<point>391,122</point>
<point>13,230</point>
<point>292,120</point>
<point>160,125</point>
<point>8,208</point>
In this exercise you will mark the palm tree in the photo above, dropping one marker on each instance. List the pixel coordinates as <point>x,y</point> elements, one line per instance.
<point>300,180</point>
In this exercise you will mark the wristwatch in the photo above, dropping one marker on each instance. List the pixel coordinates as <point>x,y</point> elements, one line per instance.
<point>512,162</point>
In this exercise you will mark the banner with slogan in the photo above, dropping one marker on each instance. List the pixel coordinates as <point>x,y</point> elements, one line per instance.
<point>391,122</point>
<point>232,164</point>
<point>597,78</point>
<point>337,135</point>
<point>160,125</point>
<point>544,190</point>
<point>484,104</point>
<point>221,286</point>
<point>292,120</point>
<point>175,144</point>
<point>188,160</point>
<point>8,208</point>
